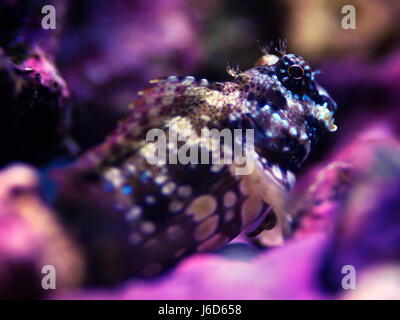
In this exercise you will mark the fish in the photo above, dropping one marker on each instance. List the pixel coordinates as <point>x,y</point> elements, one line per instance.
<point>142,211</point>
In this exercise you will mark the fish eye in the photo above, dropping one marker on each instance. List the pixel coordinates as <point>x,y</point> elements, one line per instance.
<point>294,73</point>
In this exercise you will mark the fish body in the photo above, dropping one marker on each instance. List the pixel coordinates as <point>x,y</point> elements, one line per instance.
<point>168,209</point>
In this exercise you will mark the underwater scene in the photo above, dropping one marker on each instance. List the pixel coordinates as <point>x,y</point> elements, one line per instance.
<point>200,150</point>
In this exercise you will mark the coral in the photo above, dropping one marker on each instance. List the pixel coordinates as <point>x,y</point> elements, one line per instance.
<point>32,237</point>
<point>35,106</point>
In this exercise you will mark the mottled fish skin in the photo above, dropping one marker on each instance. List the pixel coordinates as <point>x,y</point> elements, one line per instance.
<point>172,210</point>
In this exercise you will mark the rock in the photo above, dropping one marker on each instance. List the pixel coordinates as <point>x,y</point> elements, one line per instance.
<point>31,237</point>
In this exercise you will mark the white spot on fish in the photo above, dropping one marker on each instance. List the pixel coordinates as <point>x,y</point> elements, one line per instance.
<point>172,78</point>
<point>185,191</point>
<point>134,213</point>
<point>293,131</point>
<point>148,227</point>
<point>168,189</point>
<point>277,172</point>
<point>160,180</point>
<point>150,199</point>
<point>175,206</point>
<point>291,178</point>
<point>229,199</point>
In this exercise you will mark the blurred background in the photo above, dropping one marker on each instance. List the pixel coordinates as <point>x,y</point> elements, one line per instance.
<point>64,90</point>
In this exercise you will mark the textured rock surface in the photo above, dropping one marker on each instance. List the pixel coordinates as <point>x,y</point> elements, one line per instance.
<point>34,115</point>
<point>31,237</point>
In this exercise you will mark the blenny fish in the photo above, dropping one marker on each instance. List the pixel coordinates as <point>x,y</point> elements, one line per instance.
<point>163,212</point>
